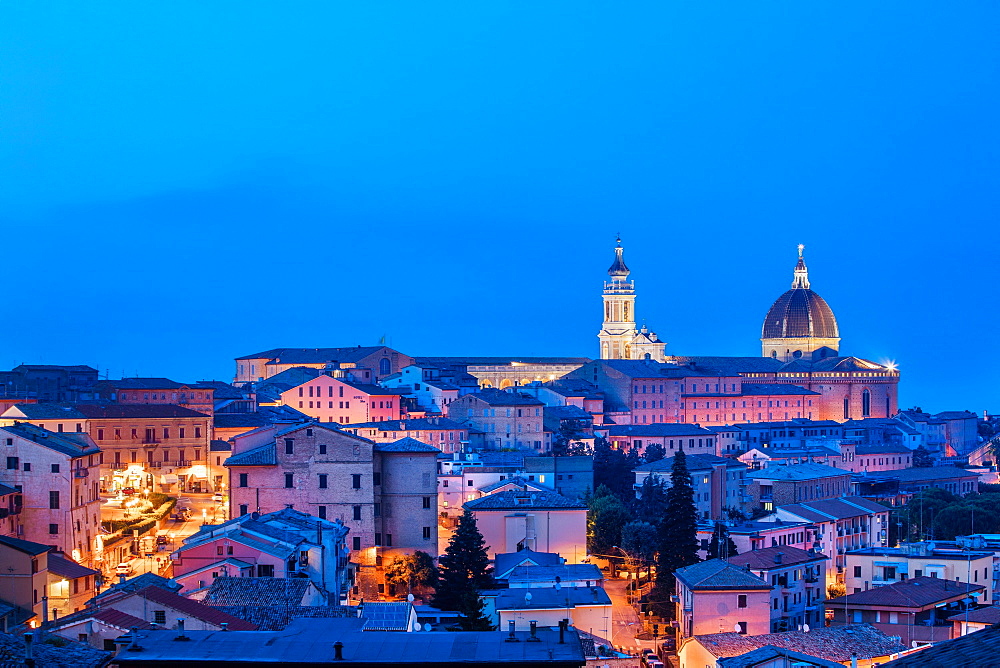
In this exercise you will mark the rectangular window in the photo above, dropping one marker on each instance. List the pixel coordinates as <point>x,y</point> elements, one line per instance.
<point>322,512</point>
<point>378,510</point>
<point>357,512</point>
<point>427,533</point>
<point>322,481</point>
<point>356,480</point>
<point>265,571</point>
<point>54,500</point>
<point>289,446</point>
<point>322,448</point>
<point>289,481</point>
<point>376,478</point>
<point>243,479</point>
<point>427,502</point>
<point>857,571</point>
<point>166,433</point>
<point>197,434</point>
<point>388,540</point>
<point>741,601</point>
<point>356,543</point>
<point>13,464</point>
<point>378,540</point>
<point>27,466</point>
<point>159,616</point>
<point>244,509</point>
<point>55,468</point>
<point>181,432</point>
<point>53,529</point>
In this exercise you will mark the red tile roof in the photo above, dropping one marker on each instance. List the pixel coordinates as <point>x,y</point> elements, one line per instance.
<point>919,592</point>
<point>205,613</point>
<point>764,559</point>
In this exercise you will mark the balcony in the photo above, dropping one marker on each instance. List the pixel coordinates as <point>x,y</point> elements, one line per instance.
<point>81,473</point>
<point>812,578</point>
<point>182,463</point>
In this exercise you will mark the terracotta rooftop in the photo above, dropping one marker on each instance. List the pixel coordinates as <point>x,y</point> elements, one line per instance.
<point>837,643</point>
<point>919,592</point>
<point>975,650</point>
<point>193,609</point>
<point>719,574</point>
<point>774,557</point>
<point>257,591</point>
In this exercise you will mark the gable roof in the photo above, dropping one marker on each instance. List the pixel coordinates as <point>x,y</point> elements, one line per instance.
<point>257,591</point>
<point>835,643</point>
<point>191,608</point>
<point>71,444</point>
<point>25,546</point>
<point>803,471</point>
<point>120,411</point>
<point>67,568</point>
<point>973,650</point>
<point>719,574</point>
<point>659,429</point>
<point>912,593</point>
<point>517,499</point>
<point>506,561</point>
<point>264,455</point>
<point>496,397</point>
<point>828,509</point>
<point>410,424</point>
<point>694,463</point>
<point>405,445</point>
<point>774,557</point>
<point>929,473</point>
<point>768,653</point>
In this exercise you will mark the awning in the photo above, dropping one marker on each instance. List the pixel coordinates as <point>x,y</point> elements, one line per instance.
<point>168,479</point>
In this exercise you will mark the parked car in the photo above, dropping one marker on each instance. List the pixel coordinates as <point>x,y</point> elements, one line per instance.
<point>124,568</point>
<point>128,491</point>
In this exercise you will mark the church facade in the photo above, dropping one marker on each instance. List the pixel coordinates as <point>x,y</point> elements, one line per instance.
<point>800,373</point>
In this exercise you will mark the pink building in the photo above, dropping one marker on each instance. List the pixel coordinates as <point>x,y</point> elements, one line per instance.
<point>536,520</point>
<point>368,364</point>
<point>385,493</point>
<point>329,399</point>
<point>716,596</point>
<point>158,391</point>
<point>506,419</point>
<point>283,544</point>
<point>447,435</point>
<point>57,475</point>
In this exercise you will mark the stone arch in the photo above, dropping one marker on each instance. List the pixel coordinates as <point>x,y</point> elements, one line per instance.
<point>505,383</point>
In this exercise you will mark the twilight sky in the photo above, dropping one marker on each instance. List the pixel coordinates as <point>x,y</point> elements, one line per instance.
<point>182,183</point>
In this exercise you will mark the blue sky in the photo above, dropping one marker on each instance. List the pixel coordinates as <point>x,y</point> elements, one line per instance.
<point>183,183</point>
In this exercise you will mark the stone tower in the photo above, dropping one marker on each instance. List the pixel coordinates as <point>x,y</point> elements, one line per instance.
<point>619,338</point>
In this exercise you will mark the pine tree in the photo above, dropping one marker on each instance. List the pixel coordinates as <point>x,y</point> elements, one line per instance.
<point>651,506</point>
<point>464,572</point>
<point>678,543</point>
<point>721,545</point>
<point>654,452</point>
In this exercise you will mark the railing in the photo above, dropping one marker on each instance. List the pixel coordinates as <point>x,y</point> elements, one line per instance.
<point>183,462</point>
<point>81,473</point>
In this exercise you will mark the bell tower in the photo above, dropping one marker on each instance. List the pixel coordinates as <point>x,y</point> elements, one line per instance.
<point>618,329</point>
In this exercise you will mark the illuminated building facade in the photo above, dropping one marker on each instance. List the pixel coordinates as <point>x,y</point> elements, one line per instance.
<point>368,364</point>
<point>162,448</point>
<point>157,391</point>
<point>619,338</point>
<point>340,400</point>
<point>385,493</point>
<point>57,476</point>
<point>506,419</point>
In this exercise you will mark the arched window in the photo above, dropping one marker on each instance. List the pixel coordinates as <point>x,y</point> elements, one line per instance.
<point>774,354</point>
<point>797,354</point>
<point>866,403</point>
<point>384,366</point>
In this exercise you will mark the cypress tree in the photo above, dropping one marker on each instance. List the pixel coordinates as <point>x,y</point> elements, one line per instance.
<point>721,546</point>
<point>464,571</point>
<point>678,542</point>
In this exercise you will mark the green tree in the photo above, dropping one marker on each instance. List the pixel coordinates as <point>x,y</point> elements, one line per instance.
<point>412,574</point>
<point>654,452</point>
<point>464,572</point>
<point>721,545</point>
<point>678,543</point>
<point>922,458</point>
<point>639,542</point>
<point>567,442</point>
<point>605,518</point>
<point>651,505</point>
<point>613,468</point>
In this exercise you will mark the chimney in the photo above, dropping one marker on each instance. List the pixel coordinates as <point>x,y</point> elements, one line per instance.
<point>180,630</point>
<point>338,651</point>
<point>29,660</point>
<point>534,631</point>
<point>511,637</point>
<point>778,557</point>
<point>563,623</point>
<point>225,626</point>
<point>134,640</point>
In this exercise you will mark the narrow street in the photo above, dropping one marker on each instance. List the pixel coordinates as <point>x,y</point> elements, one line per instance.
<point>625,623</point>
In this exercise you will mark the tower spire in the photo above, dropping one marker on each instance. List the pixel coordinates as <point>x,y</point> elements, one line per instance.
<point>801,275</point>
<point>618,270</point>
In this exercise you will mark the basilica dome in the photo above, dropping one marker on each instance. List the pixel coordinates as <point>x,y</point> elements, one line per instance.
<point>800,312</point>
<point>800,322</point>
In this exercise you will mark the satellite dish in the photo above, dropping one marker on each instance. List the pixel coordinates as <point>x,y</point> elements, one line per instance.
<point>409,597</point>
<point>737,627</point>
<point>527,597</point>
<point>427,627</point>
<point>418,627</point>
<point>805,627</point>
